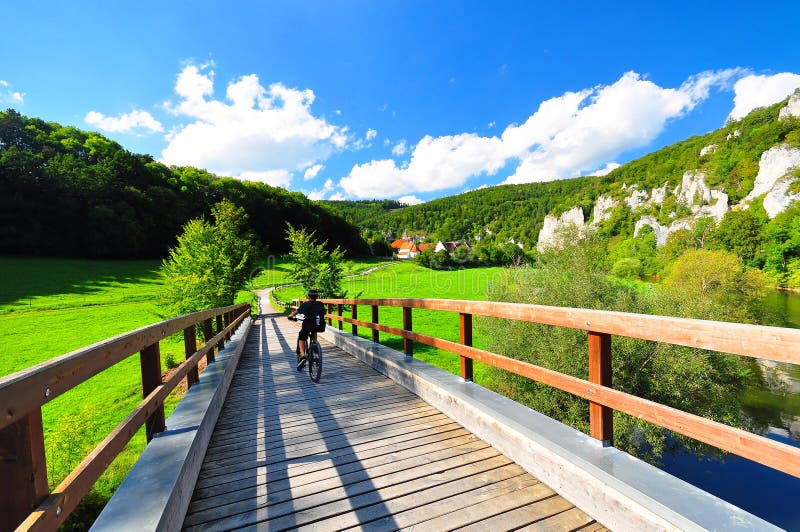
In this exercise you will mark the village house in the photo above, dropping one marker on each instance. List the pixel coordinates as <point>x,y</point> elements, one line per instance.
<point>405,248</point>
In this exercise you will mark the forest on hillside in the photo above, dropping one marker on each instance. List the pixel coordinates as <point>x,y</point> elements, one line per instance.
<point>72,193</point>
<point>507,211</point>
<point>728,159</point>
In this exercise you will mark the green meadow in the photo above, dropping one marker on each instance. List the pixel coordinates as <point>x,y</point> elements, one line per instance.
<point>49,307</point>
<point>408,279</point>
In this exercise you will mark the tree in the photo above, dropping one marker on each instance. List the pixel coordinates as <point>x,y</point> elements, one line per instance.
<point>782,246</point>
<point>693,380</point>
<point>715,285</point>
<point>210,263</point>
<point>312,265</point>
<point>740,234</point>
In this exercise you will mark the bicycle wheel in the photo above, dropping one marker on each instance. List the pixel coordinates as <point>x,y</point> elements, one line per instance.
<point>315,361</point>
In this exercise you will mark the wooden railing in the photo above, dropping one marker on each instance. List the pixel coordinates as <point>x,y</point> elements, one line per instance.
<point>24,499</point>
<point>769,343</point>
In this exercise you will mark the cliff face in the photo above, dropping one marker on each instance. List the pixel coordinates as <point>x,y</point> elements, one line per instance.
<point>667,211</point>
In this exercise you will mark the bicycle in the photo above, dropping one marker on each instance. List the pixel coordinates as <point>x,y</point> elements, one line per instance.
<point>313,354</point>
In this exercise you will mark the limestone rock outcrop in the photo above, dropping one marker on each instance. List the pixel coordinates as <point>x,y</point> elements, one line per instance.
<point>662,232</point>
<point>774,177</point>
<point>793,107</point>
<point>602,209</point>
<point>548,235</point>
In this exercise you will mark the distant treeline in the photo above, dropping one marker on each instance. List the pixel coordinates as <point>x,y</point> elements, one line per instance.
<point>67,192</point>
<point>508,211</point>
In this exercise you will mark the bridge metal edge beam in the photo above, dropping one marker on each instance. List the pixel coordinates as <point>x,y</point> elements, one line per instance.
<point>156,492</point>
<point>620,491</point>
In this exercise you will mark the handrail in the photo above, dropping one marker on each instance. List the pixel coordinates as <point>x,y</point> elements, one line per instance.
<point>770,343</point>
<point>23,393</point>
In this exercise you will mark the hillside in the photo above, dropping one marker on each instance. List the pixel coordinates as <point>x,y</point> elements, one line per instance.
<point>505,211</point>
<point>73,193</point>
<point>730,189</point>
<point>728,159</point>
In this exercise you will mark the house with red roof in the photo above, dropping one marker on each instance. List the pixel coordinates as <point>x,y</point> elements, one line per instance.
<point>408,250</point>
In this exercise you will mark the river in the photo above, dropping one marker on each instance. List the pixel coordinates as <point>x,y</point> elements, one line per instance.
<point>770,494</point>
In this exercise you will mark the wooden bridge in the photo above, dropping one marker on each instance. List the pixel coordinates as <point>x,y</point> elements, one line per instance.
<point>383,441</point>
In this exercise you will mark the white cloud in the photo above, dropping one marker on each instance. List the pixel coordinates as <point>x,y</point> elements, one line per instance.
<point>606,169</point>
<point>760,91</point>
<point>8,95</point>
<point>567,136</point>
<point>492,124</point>
<point>276,178</point>
<point>320,194</point>
<point>137,122</point>
<point>387,142</point>
<point>400,148</point>
<point>371,134</point>
<point>337,197</point>
<point>581,131</point>
<point>437,163</point>
<point>268,132</point>
<point>410,200</point>
<point>312,172</point>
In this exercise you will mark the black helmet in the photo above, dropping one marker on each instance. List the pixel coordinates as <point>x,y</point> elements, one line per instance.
<point>313,294</point>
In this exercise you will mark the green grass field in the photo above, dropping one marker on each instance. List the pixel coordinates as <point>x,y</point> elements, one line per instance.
<point>407,279</point>
<point>49,307</point>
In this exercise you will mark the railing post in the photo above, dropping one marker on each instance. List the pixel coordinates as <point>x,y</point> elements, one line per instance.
<point>150,359</point>
<point>219,324</point>
<point>226,320</point>
<point>330,311</point>
<point>339,312</point>
<point>354,315</point>
<point>22,468</point>
<point>190,348</point>
<point>208,334</point>
<point>465,328</point>
<point>375,332</point>
<point>601,418</point>
<point>408,345</point>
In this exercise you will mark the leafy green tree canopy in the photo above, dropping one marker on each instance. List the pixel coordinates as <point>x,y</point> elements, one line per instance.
<point>693,380</point>
<point>312,265</point>
<point>210,263</point>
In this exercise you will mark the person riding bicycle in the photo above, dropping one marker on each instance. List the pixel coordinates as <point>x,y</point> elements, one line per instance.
<point>314,313</point>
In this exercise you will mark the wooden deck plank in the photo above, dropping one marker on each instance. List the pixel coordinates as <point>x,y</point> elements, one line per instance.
<point>572,519</point>
<point>358,451</point>
<point>355,450</point>
<point>334,439</point>
<point>522,516</point>
<point>409,510</point>
<point>297,453</point>
<point>463,513</point>
<point>335,471</point>
<point>357,483</point>
<point>332,504</point>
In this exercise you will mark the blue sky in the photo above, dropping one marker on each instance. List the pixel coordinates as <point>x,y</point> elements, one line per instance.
<point>400,99</point>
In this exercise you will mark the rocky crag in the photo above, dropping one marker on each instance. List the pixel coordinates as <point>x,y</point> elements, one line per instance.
<point>692,199</point>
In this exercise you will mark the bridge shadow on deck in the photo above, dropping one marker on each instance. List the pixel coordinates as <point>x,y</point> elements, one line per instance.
<point>279,458</point>
<point>355,450</point>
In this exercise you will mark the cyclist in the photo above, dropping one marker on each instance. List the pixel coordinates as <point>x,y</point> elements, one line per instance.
<point>314,321</point>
